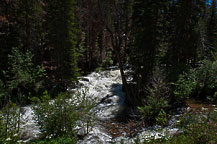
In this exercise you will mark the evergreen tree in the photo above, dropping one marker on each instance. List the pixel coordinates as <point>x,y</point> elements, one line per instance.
<point>183,47</point>
<point>62,38</point>
<point>31,35</point>
<point>212,27</point>
<point>8,33</point>
<point>21,27</point>
<point>148,36</point>
<point>29,19</point>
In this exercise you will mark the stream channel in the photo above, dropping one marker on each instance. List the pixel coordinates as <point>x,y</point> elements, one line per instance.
<point>106,88</point>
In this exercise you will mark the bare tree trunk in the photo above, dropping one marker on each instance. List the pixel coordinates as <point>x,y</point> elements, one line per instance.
<point>20,103</point>
<point>118,39</point>
<point>8,112</point>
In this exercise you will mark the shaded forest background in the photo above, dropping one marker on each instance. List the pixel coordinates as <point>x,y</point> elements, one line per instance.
<point>166,51</point>
<point>48,44</point>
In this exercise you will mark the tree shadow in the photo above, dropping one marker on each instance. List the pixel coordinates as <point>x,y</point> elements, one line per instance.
<point>116,90</point>
<point>128,113</point>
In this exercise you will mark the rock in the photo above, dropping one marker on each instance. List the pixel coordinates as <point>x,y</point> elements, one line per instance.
<point>85,79</point>
<point>204,109</point>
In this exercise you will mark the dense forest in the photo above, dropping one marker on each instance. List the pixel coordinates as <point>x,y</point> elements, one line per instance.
<point>166,51</point>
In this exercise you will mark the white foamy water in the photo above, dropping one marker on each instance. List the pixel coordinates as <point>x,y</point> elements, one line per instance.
<point>29,129</point>
<point>106,88</point>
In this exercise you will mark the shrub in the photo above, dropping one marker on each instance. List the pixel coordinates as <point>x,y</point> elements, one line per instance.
<point>98,69</point>
<point>207,80</point>
<point>200,83</point>
<point>202,129</point>
<point>197,130</point>
<point>152,109</point>
<point>162,118</point>
<point>184,87</point>
<point>3,134</point>
<point>58,140</point>
<point>186,119</point>
<point>156,103</point>
<point>9,124</point>
<point>3,94</point>
<point>23,76</point>
<point>108,60</point>
<point>65,115</point>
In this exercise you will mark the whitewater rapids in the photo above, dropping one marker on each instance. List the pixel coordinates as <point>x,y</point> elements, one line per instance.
<point>106,88</point>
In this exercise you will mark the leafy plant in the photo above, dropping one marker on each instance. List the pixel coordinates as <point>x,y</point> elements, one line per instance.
<point>98,69</point>
<point>65,115</point>
<point>184,87</point>
<point>59,140</point>
<point>3,134</point>
<point>196,129</point>
<point>23,69</point>
<point>3,93</point>
<point>108,60</point>
<point>156,103</point>
<point>198,83</point>
<point>9,124</point>
<point>22,74</point>
<point>186,119</point>
<point>202,129</point>
<point>162,118</point>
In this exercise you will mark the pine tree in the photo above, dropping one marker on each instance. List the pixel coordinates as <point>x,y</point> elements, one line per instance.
<point>183,48</point>
<point>31,33</point>
<point>62,38</point>
<point>212,28</point>
<point>148,39</point>
<point>22,26</point>
<point>8,35</point>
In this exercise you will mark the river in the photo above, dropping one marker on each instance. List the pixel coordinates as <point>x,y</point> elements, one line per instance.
<point>106,88</point>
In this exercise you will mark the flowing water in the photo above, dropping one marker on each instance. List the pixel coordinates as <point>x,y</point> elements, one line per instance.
<point>106,88</point>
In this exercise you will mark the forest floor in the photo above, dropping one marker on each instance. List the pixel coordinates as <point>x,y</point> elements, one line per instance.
<point>200,106</point>
<point>120,126</point>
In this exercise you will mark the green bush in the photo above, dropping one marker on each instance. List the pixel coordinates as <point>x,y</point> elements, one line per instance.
<point>200,83</point>
<point>3,94</point>
<point>200,128</point>
<point>23,76</point>
<point>108,60</point>
<point>196,130</point>
<point>98,69</point>
<point>151,111</point>
<point>186,119</point>
<point>156,103</point>
<point>184,87</point>
<point>3,134</point>
<point>64,115</point>
<point>58,140</point>
<point>9,124</point>
<point>162,118</point>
